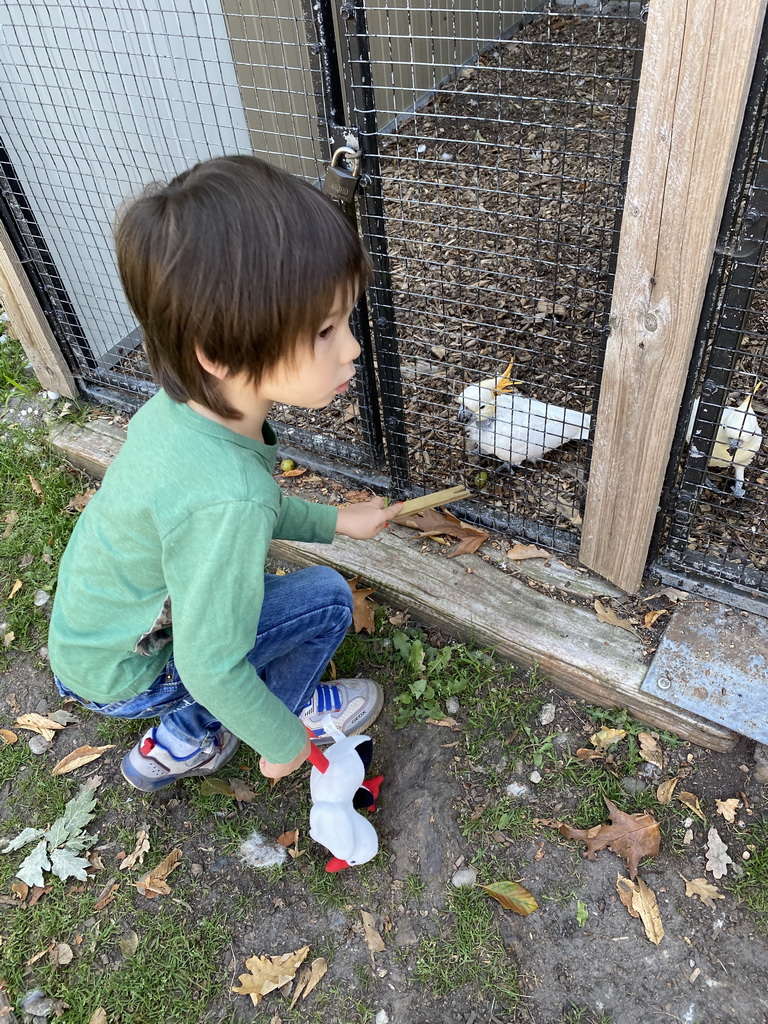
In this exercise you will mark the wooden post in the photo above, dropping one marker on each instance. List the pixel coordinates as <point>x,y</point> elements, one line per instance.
<point>29,323</point>
<point>697,67</point>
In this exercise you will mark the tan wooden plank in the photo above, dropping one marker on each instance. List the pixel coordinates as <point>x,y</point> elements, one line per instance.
<point>593,660</point>
<point>90,447</point>
<point>29,323</point>
<point>697,66</point>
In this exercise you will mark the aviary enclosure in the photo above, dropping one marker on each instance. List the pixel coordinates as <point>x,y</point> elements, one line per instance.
<point>511,190</point>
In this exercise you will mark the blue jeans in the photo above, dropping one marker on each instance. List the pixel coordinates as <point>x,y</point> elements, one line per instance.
<point>304,618</point>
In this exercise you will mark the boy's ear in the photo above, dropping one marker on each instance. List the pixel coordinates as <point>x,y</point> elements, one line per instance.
<point>215,369</point>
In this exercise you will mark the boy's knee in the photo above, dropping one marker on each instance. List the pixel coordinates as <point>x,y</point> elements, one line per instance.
<point>333,587</point>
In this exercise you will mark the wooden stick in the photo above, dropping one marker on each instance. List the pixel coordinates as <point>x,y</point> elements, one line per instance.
<point>425,501</point>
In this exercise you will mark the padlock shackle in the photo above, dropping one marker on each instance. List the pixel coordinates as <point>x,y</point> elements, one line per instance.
<point>347,151</point>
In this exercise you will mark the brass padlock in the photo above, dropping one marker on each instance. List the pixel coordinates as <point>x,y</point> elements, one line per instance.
<point>339,182</point>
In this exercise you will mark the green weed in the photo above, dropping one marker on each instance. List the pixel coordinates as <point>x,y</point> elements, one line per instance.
<point>469,951</point>
<point>751,887</point>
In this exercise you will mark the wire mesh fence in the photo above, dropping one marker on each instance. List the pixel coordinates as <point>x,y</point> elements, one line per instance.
<point>493,141</point>
<point>497,150</point>
<point>717,518</point>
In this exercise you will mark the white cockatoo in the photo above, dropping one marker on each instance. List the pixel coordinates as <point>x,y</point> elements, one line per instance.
<point>737,441</point>
<point>513,427</point>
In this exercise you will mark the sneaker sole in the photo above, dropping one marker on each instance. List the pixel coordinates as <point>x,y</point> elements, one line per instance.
<point>323,741</point>
<point>145,785</point>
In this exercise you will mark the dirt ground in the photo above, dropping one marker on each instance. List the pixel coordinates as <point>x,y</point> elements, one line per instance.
<point>709,968</point>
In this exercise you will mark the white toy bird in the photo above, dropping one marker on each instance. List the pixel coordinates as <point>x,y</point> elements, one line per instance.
<point>500,422</point>
<point>737,441</point>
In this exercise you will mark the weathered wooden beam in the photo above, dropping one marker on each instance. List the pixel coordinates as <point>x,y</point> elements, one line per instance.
<point>698,61</point>
<point>29,323</point>
<point>475,601</point>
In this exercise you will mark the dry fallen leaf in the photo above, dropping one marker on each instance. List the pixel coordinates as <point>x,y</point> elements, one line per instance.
<point>99,1016</point>
<point>587,754</point>
<point>242,791</point>
<point>650,750</point>
<point>154,882</point>
<point>11,519</point>
<point>44,726</point>
<point>640,901</point>
<point>129,943</point>
<point>606,614</point>
<point>666,789</point>
<point>728,808</point>
<point>605,738</point>
<point>108,893</point>
<point>61,954</point>
<point>704,890</point>
<point>520,552</point>
<point>692,802</point>
<point>77,758</point>
<point>36,487</point>
<point>448,723</point>
<point>298,471</point>
<point>512,896</point>
<point>15,589</point>
<point>308,978</point>
<point>136,856</point>
<point>290,840</point>
<point>269,973</point>
<point>632,836</point>
<point>373,939</point>
<point>717,854</point>
<point>362,609</point>
<point>8,737</point>
<point>651,617</point>
<point>79,501</point>
<point>434,524</point>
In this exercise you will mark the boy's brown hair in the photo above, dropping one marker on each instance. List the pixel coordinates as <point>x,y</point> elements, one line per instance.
<point>238,259</point>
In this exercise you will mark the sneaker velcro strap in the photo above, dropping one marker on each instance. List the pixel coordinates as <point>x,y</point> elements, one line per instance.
<point>328,698</point>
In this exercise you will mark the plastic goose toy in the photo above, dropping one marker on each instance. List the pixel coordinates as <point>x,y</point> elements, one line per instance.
<point>338,791</point>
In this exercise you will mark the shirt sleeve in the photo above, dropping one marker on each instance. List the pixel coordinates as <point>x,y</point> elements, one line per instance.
<point>305,520</point>
<point>214,568</point>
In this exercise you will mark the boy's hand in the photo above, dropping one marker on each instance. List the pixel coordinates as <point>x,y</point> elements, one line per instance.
<point>278,771</point>
<point>366,518</point>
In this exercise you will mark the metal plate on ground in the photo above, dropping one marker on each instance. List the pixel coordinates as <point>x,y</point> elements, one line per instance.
<point>713,661</point>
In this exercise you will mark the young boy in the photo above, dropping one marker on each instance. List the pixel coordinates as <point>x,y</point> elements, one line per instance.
<point>243,279</point>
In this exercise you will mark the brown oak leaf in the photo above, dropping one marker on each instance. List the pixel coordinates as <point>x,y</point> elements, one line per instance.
<point>632,836</point>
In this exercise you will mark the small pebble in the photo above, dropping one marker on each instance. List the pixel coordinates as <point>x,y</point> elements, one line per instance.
<point>452,706</point>
<point>463,877</point>
<point>535,778</point>
<point>547,715</point>
<point>633,786</point>
<point>53,395</point>
<point>421,149</point>
<point>39,744</point>
<point>41,598</point>
<point>382,1017</point>
<point>518,790</point>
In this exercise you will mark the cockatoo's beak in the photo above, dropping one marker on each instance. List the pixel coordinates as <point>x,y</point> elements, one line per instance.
<point>464,415</point>
<point>505,384</point>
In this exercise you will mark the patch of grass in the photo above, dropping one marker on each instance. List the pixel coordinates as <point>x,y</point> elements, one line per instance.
<point>35,488</point>
<point>514,820</point>
<point>13,373</point>
<point>470,952</point>
<point>583,1015</point>
<point>751,887</point>
<point>413,887</point>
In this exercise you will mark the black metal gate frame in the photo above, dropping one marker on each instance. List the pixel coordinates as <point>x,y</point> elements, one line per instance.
<point>740,247</point>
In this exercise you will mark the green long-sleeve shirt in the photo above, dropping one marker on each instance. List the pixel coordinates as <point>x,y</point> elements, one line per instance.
<point>168,557</point>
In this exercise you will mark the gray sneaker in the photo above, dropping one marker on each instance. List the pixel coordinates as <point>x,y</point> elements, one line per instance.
<point>353,705</point>
<point>150,766</point>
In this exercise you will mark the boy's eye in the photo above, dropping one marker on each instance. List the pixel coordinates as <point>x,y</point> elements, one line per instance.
<point>326,332</point>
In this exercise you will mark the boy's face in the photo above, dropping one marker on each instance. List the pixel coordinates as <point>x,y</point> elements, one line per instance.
<point>321,371</point>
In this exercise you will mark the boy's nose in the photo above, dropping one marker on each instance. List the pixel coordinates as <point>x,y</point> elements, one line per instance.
<point>352,349</point>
